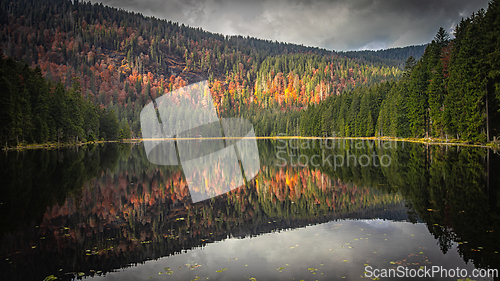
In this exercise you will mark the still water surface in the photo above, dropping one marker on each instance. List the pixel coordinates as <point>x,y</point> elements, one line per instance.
<point>105,212</point>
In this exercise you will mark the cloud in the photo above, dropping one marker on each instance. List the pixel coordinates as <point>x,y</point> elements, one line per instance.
<point>330,24</point>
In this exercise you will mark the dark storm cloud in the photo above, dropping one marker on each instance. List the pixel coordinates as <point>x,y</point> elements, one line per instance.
<point>331,24</point>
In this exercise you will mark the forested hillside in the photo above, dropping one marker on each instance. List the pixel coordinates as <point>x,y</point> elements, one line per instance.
<point>123,60</point>
<point>392,56</point>
<point>453,91</point>
<point>36,110</point>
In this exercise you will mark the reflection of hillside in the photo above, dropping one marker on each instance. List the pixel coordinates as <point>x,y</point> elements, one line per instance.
<point>138,211</point>
<point>33,180</point>
<point>135,211</point>
<point>454,190</point>
<point>300,192</point>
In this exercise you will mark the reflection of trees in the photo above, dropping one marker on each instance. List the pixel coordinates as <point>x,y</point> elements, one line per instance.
<point>448,188</point>
<point>137,211</point>
<point>35,180</point>
<point>456,203</point>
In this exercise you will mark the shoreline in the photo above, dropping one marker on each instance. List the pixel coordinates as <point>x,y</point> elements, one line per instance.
<point>52,145</point>
<point>427,141</point>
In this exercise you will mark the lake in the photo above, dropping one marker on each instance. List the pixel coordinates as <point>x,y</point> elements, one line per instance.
<point>316,210</point>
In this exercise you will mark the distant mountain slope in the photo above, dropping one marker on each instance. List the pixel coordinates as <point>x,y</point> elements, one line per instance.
<point>392,56</point>
<point>123,59</point>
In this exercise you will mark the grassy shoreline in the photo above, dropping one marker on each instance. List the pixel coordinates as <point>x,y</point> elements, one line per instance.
<point>52,145</point>
<point>428,141</point>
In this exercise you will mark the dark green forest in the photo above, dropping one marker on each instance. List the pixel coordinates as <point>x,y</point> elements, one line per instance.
<point>392,56</point>
<point>452,92</point>
<point>37,110</point>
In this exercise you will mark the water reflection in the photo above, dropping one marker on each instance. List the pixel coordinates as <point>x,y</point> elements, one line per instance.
<point>96,210</point>
<point>334,250</point>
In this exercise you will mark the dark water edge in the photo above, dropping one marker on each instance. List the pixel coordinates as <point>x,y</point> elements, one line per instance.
<point>105,207</point>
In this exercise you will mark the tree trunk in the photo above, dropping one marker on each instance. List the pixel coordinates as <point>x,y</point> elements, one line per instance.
<point>487,119</point>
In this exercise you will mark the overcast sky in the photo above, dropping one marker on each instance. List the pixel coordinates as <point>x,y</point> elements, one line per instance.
<point>331,24</point>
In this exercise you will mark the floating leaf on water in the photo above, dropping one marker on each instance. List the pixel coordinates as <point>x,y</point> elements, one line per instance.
<point>312,269</point>
<point>221,270</point>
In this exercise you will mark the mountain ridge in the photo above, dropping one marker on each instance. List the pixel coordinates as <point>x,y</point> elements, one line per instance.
<point>123,60</point>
